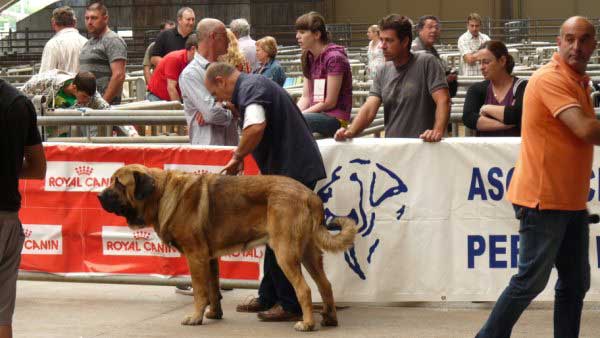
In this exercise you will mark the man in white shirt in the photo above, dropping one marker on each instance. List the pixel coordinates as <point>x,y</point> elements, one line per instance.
<point>209,122</point>
<point>468,45</point>
<point>62,51</point>
<point>241,30</point>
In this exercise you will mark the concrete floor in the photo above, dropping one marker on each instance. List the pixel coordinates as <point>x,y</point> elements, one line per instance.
<point>49,309</point>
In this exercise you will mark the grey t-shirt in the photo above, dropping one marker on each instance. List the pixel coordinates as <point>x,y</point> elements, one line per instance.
<point>408,107</point>
<point>97,55</point>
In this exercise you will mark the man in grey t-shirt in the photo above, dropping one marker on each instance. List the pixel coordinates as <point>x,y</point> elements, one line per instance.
<point>412,88</point>
<point>104,55</point>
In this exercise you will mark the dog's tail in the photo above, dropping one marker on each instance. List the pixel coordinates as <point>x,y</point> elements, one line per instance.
<point>339,242</point>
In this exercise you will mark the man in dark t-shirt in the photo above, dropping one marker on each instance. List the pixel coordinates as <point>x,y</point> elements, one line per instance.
<point>22,156</point>
<point>277,135</point>
<point>173,39</point>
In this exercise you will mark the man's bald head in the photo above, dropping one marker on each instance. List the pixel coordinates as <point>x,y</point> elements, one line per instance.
<point>577,42</point>
<point>207,26</point>
<point>579,22</point>
<point>212,39</point>
<point>220,79</point>
<point>218,69</point>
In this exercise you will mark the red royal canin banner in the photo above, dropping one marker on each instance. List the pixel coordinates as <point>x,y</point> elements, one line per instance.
<point>68,232</point>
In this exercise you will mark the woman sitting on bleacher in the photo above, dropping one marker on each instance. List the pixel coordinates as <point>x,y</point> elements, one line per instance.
<point>234,55</point>
<point>266,51</point>
<point>326,100</point>
<point>493,107</point>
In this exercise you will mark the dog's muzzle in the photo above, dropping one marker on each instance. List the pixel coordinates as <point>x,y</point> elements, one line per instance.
<point>111,203</point>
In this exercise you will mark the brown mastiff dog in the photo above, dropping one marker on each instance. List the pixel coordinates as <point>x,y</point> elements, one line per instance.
<point>207,216</point>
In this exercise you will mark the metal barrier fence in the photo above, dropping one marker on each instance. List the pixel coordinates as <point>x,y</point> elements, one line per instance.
<point>130,279</point>
<point>135,89</point>
<point>175,117</point>
<point>376,128</point>
<point>148,280</point>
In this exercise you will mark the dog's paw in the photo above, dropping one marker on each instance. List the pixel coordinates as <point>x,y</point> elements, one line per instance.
<point>194,319</point>
<point>304,327</point>
<point>329,321</point>
<point>214,314</point>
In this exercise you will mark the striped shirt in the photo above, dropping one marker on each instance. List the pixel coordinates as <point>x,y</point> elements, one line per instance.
<point>62,51</point>
<point>467,43</point>
<point>220,126</point>
<point>98,53</point>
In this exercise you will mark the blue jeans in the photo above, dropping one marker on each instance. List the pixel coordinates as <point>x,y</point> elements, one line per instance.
<point>547,238</point>
<point>322,123</point>
<point>151,97</point>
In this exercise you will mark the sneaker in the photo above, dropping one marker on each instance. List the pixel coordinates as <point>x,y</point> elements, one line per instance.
<point>252,305</point>
<point>183,289</point>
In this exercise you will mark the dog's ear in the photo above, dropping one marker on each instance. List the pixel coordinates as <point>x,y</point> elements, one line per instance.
<point>144,185</point>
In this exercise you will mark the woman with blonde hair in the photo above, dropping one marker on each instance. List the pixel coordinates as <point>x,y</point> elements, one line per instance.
<point>234,55</point>
<point>266,50</point>
<point>374,51</point>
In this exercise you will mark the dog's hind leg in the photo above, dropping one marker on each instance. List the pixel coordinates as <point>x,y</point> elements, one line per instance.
<point>313,262</point>
<point>290,265</point>
<point>214,292</point>
<point>199,269</point>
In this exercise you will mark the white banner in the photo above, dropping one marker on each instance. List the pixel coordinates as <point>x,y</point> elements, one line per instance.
<point>434,220</point>
<point>42,239</point>
<point>123,241</point>
<point>79,176</point>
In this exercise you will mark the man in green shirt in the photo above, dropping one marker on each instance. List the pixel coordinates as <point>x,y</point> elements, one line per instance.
<point>67,90</point>
<point>64,90</point>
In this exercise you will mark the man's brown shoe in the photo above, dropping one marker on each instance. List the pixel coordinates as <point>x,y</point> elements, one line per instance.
<point>278,314</point>
<point>253,305</point>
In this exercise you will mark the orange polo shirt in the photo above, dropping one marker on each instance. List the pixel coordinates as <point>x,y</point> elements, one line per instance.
<point>554,166</point>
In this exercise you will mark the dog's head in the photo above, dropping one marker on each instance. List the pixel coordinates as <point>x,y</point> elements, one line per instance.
<point>361,189</point>
<point>126,196</point>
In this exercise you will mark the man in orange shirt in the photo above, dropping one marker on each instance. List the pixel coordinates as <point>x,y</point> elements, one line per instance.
<point>550,186</point>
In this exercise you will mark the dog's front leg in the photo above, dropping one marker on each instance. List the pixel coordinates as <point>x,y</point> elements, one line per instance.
<point>199,269</point>
<point>214,294</point>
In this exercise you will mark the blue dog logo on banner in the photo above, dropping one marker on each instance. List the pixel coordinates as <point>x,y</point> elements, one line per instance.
<point>369,200</point>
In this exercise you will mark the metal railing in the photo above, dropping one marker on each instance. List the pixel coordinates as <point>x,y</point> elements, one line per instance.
<point>130,279</point>
<point>110,118</point>
<point>376,128</point>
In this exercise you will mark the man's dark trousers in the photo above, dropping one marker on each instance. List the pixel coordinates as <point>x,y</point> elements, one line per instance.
<point>275,287</point>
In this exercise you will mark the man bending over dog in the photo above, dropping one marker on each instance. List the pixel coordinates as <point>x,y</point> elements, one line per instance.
<point>278,137</point>
<point>209,215</point>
